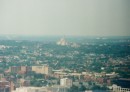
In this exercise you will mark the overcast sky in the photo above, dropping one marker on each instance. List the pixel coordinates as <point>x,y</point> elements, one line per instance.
<point>65,17</point>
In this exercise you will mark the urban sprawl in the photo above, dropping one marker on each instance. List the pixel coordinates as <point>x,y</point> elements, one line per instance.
<point>65,65</point>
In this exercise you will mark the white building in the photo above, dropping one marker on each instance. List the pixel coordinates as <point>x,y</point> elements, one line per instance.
<point>116,88</point>
<point>66,82</point>
<point>30,89</point>
<point>55,88</point>
<point>62,42</point>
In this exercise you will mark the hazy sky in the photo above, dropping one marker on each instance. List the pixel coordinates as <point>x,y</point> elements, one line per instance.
<point>65,17</point>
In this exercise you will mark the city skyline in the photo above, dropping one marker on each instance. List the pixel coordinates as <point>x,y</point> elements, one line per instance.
<point>76,18</point>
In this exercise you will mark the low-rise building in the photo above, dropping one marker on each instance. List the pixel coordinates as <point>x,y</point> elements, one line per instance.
<point>4,86</point>
<point>45,69</point>
<point>66,82</point>
<point>116,88</point>
<point>19,69</point>
<point>55,88</point>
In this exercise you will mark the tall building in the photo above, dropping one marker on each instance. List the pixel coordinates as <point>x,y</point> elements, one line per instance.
<point>66,82</point>
<point>45,69</point>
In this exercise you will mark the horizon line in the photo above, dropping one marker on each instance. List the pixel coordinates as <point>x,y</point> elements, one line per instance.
<point>31,35</point>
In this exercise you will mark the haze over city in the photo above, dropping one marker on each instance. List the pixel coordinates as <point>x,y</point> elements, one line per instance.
<point>64,45</point>
<point>65,17</point>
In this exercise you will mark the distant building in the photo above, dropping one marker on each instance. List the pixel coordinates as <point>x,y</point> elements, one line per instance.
<point>12,86</point>
<point>66,82</point>
<point>56,88</point>
<point>25,69</point>
<point>24,83</point>
<point>16,69</point>
<point>116,88</point>
<point>30,89</point>
<point>1,76</point>
<point>62,42</point>
<point>4,86</point>
<point>45,69</point>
